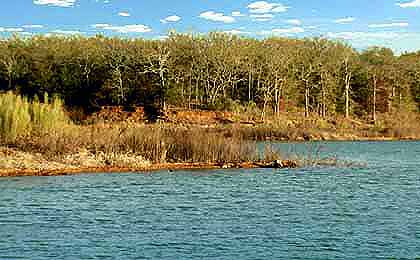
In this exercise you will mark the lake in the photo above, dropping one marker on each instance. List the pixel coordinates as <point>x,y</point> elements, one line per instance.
<point>370,211</point>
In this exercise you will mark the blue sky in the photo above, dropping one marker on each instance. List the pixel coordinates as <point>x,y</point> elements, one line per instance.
<point>390,23</point>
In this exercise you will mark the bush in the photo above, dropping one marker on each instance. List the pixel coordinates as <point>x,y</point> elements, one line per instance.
<point>20,117</point>
<point>15,119</point>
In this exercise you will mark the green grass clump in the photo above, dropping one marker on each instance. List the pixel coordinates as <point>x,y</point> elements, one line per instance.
<point>20,117</point>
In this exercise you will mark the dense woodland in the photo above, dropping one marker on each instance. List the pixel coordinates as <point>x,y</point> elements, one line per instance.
<point>216,71</point>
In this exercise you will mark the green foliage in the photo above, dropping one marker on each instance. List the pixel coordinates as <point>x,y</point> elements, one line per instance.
<point>15,119</point>
<point>216,71</point>
<point>20,117</point>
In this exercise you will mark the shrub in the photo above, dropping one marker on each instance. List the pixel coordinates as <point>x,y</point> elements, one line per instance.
<point>20,117</point>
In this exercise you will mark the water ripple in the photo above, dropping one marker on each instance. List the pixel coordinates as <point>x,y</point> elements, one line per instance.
<point>313,213</point>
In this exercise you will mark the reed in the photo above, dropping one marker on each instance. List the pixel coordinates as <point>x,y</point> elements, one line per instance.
<point>15,120</point>
<point>156,143</point>
<point>21,118</point>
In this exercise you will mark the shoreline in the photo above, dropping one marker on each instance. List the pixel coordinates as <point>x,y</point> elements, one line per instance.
<point>14,163</point>
<point>7,173</point>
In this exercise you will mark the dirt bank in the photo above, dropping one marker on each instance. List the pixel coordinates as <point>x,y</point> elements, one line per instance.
<point>14,163</point>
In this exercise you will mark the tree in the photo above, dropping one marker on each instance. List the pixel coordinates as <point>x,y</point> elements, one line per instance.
<point>378,61</point>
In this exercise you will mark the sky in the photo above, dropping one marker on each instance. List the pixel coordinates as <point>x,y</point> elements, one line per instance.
<point>362,23</point>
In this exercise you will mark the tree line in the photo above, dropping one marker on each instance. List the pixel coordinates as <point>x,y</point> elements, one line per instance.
<point>215,71</point>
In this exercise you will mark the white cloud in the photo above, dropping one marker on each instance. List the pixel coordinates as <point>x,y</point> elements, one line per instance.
<point>171,19</point>
<point>67,32</point>
<point>237,14</point>
<point>311,27</point>
<point>217,17</point>
<point>236,32</point>
<point>2,29</point>
<point>388,25</point>
<point>33,26</point>
<point>60,3</point>
<point>363,35</point>
<point>294,22</point>
<point>262,7</point>
<point>262,17</point>
<point>124,14</point>
<point>131,28</point>
<point>345,20</point>
<point>293,30</point>
<point>412,4</point>
<point>397,41</point>
<point>162,37</point>
<point>101,25</point>
<point>283,31</point>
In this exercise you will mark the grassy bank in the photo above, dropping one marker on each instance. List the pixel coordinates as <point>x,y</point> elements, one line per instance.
<point>39,135</point>
<point>405,127</point>
<point>294,126</point>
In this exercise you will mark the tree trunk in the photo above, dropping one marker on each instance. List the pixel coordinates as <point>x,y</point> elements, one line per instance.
<point>374,98</point>
<point>263,111</point>
<point>163,88</point>
<point>348,80</point>
<point>399,101</point>
<point>347,102</point>
<point>120,86</point>
<point>323,106</point>
<point>10,81</point>
<point>277,99</point>
<point>391,99</point>
<point>306,100</point>
<point>249,86</point>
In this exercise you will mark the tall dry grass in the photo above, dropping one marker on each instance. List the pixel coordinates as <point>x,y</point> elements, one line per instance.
<point>156,143</point>
<point>43,127</point>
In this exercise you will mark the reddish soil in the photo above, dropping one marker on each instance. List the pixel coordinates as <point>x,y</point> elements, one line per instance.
<point>151,168</point>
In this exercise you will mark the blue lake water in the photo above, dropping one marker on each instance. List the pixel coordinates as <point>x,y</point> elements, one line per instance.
<point>370,212</point>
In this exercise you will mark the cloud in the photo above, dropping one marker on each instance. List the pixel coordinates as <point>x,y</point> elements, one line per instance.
<point>262,7</point>
<point>60,3</point>
<point>161,37</point>
<point>236,32</point>
<point>237,14</point>
<point>171,19</point>
<point>388,25</point>
<point>412,4</point>
<point>67,32</point>
<point>397,41</point>
<point>2,29</point>
<point>131,28</point>
<point>363,35</point>
<point>312,27</point>
<point>345,20</point>
<point>283,31</point>
<point>294,22</point>
<point>101,25</point>
<point>262,17</point>
<point>217,17</point>
<point>293,30</point>
<point>33,26</point>
<point>124,14</point>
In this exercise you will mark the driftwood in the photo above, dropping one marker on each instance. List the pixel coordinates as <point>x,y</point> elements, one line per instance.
<point>277,164</point>
<point>280,164</point>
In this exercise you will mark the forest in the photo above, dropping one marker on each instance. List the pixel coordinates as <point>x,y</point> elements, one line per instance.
<point>314,76</point>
